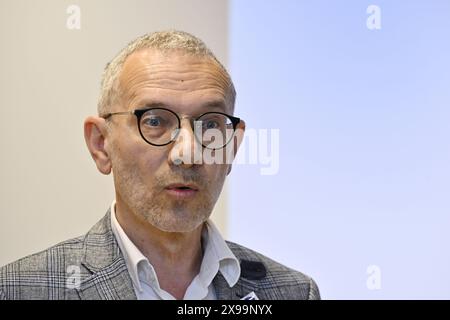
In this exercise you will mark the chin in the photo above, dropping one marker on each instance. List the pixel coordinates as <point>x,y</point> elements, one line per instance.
<point>177,225</point>
<point>179,228</point>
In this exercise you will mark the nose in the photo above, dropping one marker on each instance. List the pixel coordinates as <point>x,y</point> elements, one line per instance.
<point>186,151</point>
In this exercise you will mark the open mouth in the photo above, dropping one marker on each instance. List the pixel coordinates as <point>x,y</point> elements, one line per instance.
<point>184,188</point>
<point>182,191</point>
<point>180,186</point>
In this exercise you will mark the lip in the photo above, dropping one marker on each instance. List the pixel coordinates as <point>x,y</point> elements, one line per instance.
<point>182,185</point>
<point>181,190</point>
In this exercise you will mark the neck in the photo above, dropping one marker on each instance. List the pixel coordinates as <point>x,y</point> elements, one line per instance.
<point>170,253</point>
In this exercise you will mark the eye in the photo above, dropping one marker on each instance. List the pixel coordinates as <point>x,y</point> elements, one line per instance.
<point>210,124</point>
<point>153,121</point>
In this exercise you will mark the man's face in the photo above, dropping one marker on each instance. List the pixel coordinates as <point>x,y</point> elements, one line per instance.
<point>144,175</point>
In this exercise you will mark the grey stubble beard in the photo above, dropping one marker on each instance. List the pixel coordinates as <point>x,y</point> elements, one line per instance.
<point>157,208</point>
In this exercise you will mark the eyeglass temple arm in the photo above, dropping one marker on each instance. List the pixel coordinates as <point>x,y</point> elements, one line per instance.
<point>106,116</point>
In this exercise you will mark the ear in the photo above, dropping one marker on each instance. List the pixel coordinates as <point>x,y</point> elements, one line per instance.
<point>237,140</point>
<point>95,133</point>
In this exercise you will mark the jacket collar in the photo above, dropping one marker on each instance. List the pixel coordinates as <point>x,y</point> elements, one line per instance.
<point>109,277</point>
<point>237,292</point>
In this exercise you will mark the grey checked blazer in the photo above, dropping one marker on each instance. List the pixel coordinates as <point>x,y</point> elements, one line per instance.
<point>92,267</point>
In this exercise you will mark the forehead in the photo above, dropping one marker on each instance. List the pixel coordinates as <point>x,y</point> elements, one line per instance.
<point>172,78</point>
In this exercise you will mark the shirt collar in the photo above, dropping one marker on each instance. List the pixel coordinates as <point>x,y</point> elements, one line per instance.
<point>132,255</point>
<point>216,255</point>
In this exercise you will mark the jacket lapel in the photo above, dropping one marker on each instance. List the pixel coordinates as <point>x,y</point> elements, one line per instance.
<point>110,283</point>
<point>237,292</point>
<point>109,278</point>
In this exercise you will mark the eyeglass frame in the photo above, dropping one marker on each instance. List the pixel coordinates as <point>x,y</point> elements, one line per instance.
<point>140,112</point>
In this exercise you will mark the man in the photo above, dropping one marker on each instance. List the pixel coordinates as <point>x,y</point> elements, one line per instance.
<point>166,106</point>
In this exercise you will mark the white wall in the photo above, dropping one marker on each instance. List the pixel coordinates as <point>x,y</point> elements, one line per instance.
<point>50,189</point>
<point>364,163</point>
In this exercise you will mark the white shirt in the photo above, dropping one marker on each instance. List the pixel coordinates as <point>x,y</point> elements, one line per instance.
<point>216,256</point>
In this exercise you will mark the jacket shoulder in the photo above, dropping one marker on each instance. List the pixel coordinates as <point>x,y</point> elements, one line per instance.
<point>44,275</point>
<point>276,280</point>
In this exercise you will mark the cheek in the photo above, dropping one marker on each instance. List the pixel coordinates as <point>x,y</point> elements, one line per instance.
<point>147,163</point>
<point>216,174</point>
<point>138,156</point>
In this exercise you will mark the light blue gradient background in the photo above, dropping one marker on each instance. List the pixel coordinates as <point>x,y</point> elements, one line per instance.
<point>365,142</point>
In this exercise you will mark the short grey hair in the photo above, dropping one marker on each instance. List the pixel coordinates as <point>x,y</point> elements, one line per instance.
<point>162,41</point>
